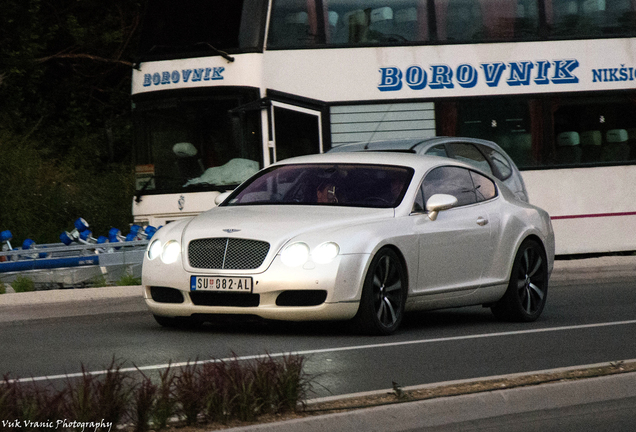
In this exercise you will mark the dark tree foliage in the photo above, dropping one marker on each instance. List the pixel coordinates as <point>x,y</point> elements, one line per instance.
<point>65,127</point>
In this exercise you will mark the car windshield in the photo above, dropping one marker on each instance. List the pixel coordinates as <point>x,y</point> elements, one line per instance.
<point>350,185</point>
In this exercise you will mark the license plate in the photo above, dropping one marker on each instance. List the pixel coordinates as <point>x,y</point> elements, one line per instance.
<point>217,283</point>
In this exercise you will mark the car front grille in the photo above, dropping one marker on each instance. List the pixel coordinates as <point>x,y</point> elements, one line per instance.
<point>227,253</point>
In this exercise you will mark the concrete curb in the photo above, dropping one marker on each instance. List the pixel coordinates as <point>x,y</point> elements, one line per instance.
<point>604,267</point>
<point>465,408</point>
<point>69,295</point>
<point>64,303</point>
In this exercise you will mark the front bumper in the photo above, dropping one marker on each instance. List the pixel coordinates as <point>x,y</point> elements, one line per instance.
<point>278,293</point>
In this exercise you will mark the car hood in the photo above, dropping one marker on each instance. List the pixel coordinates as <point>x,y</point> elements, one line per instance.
<point>277,224</point>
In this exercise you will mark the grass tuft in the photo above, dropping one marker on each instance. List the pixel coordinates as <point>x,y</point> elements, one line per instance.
<point>188,393</point>
<point>165,404</point>
<point>23,284</point>
<point>128,280</point>
<point>144,397</point>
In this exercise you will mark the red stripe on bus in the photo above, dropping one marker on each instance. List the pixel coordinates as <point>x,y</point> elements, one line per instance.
<point>593,215</point>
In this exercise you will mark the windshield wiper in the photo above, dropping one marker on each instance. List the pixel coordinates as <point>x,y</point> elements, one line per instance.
<point>141,191</point>
<point>223,54</point>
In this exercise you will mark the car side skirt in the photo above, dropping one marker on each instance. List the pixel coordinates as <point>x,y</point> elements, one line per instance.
<point>481,295</point>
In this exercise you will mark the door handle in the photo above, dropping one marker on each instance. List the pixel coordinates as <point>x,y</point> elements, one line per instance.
<point>482,221</point>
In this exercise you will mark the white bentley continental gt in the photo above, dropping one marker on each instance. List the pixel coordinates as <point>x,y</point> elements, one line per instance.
<point>354,236</point>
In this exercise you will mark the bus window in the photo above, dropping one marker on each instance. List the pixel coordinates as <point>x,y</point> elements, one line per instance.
<point>599,132</point>
<point>620,17</point>
<point>191,28</point>
<point>585,18</point>
<point>297,24</point>
<point>459,20</point>
<point>495,20</point>
<point>303,23</point>
<point>508,122</point>
<point>526,21</point>
<point>317,23</point>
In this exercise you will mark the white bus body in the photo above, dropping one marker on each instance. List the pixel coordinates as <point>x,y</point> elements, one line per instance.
<point>565,110</point>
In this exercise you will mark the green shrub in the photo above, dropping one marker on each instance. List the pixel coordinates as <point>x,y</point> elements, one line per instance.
<point>23,284</point>
<point>3,288</point>
<point>45,196</point>
<point>128,280</point>
<point>99,281</point>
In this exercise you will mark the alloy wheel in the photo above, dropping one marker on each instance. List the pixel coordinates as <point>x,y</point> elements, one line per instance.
<point>530,281</point>
<point>387,290</point>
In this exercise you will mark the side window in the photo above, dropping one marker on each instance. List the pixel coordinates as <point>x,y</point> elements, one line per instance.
<point>500,162</point>
<point>470,154</point>
<point>438,150</point>
<point>418,205</point>
<point>485,189</point>
<point>454,181</point>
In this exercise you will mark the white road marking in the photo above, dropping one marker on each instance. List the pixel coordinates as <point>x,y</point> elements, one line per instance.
<point>337,349</point>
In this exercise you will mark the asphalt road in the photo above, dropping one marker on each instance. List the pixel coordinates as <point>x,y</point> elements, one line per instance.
<point>584,323</point>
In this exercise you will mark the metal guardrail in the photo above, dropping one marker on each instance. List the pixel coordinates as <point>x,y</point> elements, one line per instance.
<point>59,265</point>
<point>79,260</point>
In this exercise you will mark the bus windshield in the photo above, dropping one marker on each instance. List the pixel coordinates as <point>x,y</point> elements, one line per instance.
<point>193,28</point>
<point>190,144</point>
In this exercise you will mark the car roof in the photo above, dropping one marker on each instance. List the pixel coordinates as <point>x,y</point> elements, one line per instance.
<point>421,162</point>
<point>408,144</point>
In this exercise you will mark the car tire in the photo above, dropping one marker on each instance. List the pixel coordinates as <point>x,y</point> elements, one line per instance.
<point>527,291</point>
<point>383,295</point>
<point>176,322</point>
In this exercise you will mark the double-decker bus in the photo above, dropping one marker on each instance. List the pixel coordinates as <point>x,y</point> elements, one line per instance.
<point>226,87</point>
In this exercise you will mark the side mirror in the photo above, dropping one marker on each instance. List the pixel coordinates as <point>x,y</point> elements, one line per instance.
<point>221,197</point>
<point>438,203</point>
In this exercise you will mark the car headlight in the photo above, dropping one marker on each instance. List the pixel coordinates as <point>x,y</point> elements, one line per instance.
<point>325,253</point>
<point>171,252</point>
<point>154,250</point>
<point>295,254</point>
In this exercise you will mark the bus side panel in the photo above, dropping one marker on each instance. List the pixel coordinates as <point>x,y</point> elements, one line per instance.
<point>591,210</point>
